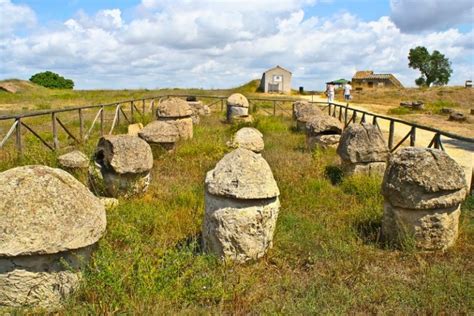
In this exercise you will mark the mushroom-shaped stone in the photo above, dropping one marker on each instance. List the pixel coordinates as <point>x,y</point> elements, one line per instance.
<point>164,133</point>
<point>423,189</point>
<point>237,106</point>
<point>173,108</point>
<point>363,150</point>
<point>323,131</point>
<point>248,138</point>
<point>125,162</point>
<point>74,160</point>
<point>241,207</point>
<point>424,178</point>
<point>49,221</point>
<point>178,112</point>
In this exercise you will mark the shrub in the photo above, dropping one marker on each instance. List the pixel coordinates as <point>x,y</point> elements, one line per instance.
<point>52,80</point>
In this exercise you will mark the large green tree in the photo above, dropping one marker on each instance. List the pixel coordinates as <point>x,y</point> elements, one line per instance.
<point>52,80</point>
<point>435,68</point>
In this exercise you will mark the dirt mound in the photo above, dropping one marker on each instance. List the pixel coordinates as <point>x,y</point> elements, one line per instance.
<point>16,85</point>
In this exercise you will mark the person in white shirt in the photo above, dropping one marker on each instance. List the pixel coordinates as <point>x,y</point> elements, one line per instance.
<point>347,91</point>
<point>330,91</point>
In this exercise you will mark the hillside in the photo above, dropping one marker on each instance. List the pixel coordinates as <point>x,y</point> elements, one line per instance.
<point>18,86</point>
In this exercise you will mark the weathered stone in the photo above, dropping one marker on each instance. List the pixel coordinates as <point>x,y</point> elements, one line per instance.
<point>242,119</point>
<point>447,110</point>
<point>323,141</point>
<point>160,132</point>
<point>241,207</point>
<point>238,100</point>
<point>305,109</point>
<point>74,160</point>
<point>433,229</point>
<point>199,108</point>
<point>242,174</point>
<point>124,154</point>
<point>248,138</point>
<point>50,223</point>
<point>125,163</point>
<point>238,111</point>
<point>423,178</point>
<point>323,124</point>
<point>45,210</point>
<point>239,230</point>
<point>457,117</point>
<point>173,108</point>
<point>362,143</point>
<point>134,129</point>
<point>423,190</point>
<point>185,127</point>
<point>305,115</point>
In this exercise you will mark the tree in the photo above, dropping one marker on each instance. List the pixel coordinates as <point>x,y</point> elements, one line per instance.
<point>52,80</point>
<point>434,68</point>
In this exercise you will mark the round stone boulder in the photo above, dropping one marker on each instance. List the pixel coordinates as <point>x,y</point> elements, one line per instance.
<point>248,138</point>
<point>50,222</point>
<point>423,190</point>
<point>237,106</point>
<point>242,207</point>
<point>173,108</point>
<point>304,112</point>
<point>125,162</point>
<point>74,160</point>
<point>163,133</point>
<point>363,150</point>
<point>178,112</point>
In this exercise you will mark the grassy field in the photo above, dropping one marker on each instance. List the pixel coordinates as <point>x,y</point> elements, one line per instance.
<point>327,257</point>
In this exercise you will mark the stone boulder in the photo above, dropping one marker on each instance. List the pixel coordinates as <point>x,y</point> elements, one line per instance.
<point>242,207</point>
<point>323,131</point>
<point>124,162</point>
<point>74,160</point>
<point>199,109</point>
<point>304,112</point>
<point>50,223</point>
<point>178,112</point>
<point>457,117</point>
<point>423,189</point>
<point>237,106</point>
<point>248,138</point>
<point>362,149</point>
<point>163,133</point>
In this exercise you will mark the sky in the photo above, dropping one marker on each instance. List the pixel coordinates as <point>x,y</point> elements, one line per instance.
<point>224,43</point>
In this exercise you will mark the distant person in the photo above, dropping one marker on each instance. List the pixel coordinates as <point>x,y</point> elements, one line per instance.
<point>347,91</point>
<point>330,92</point>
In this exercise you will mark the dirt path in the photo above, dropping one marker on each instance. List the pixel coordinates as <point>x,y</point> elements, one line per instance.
<point>462,152</point>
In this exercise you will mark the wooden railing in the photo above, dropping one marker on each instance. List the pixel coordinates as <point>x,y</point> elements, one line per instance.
<point>129,111</point>
<point>348,115</point>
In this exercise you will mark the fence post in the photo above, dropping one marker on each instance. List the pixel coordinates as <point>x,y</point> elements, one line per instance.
<point>222,104</point>
<point>132,112</point>
<point>102,120</point>
<point>390,134</point>
<point>345,115</point>
<point>55,131</point>
<point>118,114</point>
<point>81,125</point>
<point>329,108</point>
<point>152,108</point>
<point>412,136</point>
<point>143,107</point>
<point>274,107</point>
<point>19,146</point>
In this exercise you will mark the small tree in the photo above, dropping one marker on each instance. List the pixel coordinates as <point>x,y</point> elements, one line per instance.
<point>434,68</point>
<point>52,80</point>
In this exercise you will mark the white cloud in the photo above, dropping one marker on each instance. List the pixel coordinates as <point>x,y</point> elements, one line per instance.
<point>419,15</point>
<point>213,44</point>
<point>13,16</point>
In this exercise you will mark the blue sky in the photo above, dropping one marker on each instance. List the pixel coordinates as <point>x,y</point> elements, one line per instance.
<point>211,44</point>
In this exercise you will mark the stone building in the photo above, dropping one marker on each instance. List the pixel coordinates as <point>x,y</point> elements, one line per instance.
<point>367,79</point>
<point>276,79</point>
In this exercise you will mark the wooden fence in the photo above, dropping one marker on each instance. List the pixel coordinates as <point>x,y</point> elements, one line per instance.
<point>128,111</point>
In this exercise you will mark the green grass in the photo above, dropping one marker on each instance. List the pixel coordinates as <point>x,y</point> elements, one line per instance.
<point>326,259</point>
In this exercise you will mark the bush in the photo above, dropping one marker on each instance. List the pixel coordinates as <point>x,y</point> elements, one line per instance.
<point>52,80</point>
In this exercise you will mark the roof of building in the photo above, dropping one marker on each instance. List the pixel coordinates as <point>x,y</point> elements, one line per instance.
<point>277,67</point>
<point>339,81</point>
<point>369,75</point>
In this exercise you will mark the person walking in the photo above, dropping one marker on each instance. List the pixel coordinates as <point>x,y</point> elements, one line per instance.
<point>330,91</point>
<point>347,91</point>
